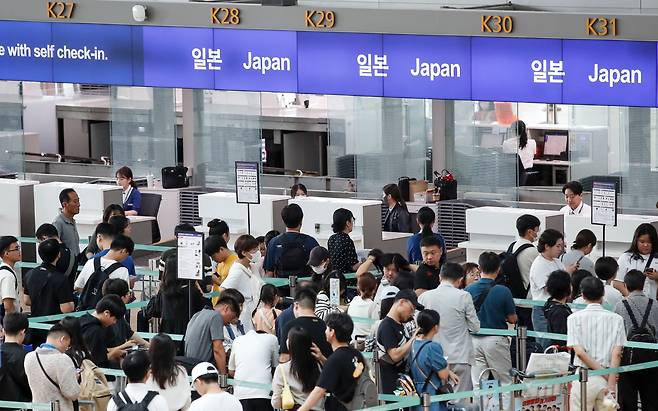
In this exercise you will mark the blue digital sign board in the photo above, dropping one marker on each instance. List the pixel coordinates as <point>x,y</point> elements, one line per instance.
<point>610,72</point>
<point>341,63</point>
<point>428,67</point>
<point>257,60</point>
<point>413,66</point>
<point>517,69</point>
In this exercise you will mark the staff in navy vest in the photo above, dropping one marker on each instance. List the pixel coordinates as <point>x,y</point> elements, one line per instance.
<point>132,198</point>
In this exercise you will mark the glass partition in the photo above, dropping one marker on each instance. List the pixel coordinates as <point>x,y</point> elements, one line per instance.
<point>227,128</point>
<point>11,128</point>
<point>376,140</point>
<point>143,128</point>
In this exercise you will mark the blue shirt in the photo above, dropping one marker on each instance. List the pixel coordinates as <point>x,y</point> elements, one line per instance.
<point>496,307</point>
<point>274,248</point>
<point>431,360</point>
<point>134,201</point>
<point>129,263</point>
<point>413,248</point>
<point>284,318</point>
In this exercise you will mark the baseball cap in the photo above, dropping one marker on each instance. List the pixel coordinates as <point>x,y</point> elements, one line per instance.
<point>317,256</point>
<point>409,295</point>
<point>203,369</point>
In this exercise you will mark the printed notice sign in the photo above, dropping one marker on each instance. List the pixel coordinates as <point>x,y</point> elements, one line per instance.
<point>247,184</point>
<point>334,292</point>
<point>190,256</point>
<point>604,203</point>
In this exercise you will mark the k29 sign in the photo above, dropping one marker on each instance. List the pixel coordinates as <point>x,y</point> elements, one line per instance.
<point>598,72</point>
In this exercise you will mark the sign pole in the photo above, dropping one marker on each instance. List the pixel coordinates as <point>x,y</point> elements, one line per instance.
<point>248,218</point>
<point>247,186</point>
<point>604,241</point>
<point>604,206</point>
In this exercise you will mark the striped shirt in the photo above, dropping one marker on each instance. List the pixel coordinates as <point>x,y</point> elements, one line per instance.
<point>598,331</point>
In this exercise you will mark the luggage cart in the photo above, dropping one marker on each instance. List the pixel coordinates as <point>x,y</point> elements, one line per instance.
<point>554,395</point>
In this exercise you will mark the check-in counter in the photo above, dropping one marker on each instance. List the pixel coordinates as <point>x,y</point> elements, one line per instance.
<point>94,198</point>
<point>494,228</point>
<point>264,217</point>
<point>618,239</point>
<point>169,212</point>
<point>367,233</point>
<point>17,207</point>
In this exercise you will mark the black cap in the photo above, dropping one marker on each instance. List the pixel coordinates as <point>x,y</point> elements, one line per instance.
<point>409,295</point>
<point>317,256</point>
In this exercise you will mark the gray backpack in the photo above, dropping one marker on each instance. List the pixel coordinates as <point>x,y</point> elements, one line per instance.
<point>365,393</point>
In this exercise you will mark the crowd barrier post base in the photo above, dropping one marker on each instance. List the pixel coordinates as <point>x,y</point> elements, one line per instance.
<point>54,406</point>
<point>521,347</point>
<point>583,378</point>
<point>292,281</point>
<point>378,378</point>
<point>427,401</point>
<point>223,381</point>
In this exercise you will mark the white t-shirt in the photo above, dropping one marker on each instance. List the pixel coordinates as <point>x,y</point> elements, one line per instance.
<point>627,263</point>
<point>253,357</point>
<point>539,271</point>
<point>527,153</point>
<point>248,282</point>
<point>611,298</point>
<point>136,393</point>
<point>10,285</point>
<point>364,309</point>
<point>178,396</point>
<point>216,401</point>
<point>582,209</point>
<point>88,270</point>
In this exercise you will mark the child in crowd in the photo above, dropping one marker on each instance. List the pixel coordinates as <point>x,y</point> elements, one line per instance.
<point>363,305</point>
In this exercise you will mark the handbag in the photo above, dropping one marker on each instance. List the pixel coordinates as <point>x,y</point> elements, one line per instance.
<point>446,184</point>
<point>287,400</point>
<point>174,177</point>
<point>550,364</point>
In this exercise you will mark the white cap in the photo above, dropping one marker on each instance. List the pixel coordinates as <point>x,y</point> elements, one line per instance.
<point>201,369</point>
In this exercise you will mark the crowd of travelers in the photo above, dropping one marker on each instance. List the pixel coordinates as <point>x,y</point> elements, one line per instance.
<point>309,345</point>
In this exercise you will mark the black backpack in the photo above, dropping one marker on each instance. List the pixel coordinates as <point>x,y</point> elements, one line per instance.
<point>292,260</point>
<point>643,333</point>
<point>124,403</point>
<point>93,291</point>
<point>510,274</point>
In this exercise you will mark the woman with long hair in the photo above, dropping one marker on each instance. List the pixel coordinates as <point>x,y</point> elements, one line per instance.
<point>341,247</point>
<point>301,373</point>
<point>168,378</point>
<point>426,219</point>
<point>397,216</point>
<point>174,300</point>
<point>266,313</point>
<point>641,256</point>
<point>523,146</point>
<point>132,198</point>
<point>77,350</point>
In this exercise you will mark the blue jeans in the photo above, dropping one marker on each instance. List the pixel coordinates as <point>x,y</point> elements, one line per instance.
<point>539,323</point>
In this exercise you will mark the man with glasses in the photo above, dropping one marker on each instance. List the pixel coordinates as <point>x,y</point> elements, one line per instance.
<point>11,287</point>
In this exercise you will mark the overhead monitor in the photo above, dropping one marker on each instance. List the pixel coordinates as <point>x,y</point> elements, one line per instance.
<point>555,145</point>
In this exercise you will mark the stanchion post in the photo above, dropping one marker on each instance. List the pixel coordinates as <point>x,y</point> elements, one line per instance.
<point>583,377</point>
<point>54,406</point>
<point>120,383</point>
<point>378,377</point>
<point>522,339</point>
<point>292,280</point>
<point>223,381</point>
<point>427,401</point>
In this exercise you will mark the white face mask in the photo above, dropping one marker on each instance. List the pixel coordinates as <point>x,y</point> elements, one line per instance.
<point>255,257</point>
<point>319,269</point>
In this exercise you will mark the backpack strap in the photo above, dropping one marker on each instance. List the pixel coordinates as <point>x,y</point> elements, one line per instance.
<point>119,401</point>
<point>645,318</point>
<point>649,261</point>
<point>522,248</point>
<point>44,371</point>
<point>427,376</point>
<point>97,264</point>
<point>630,313</point>
<point>148,398</point>
<point>482,298</point>
<point>4,267</point>
<point>115,266</point>
<point>510,248</point>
